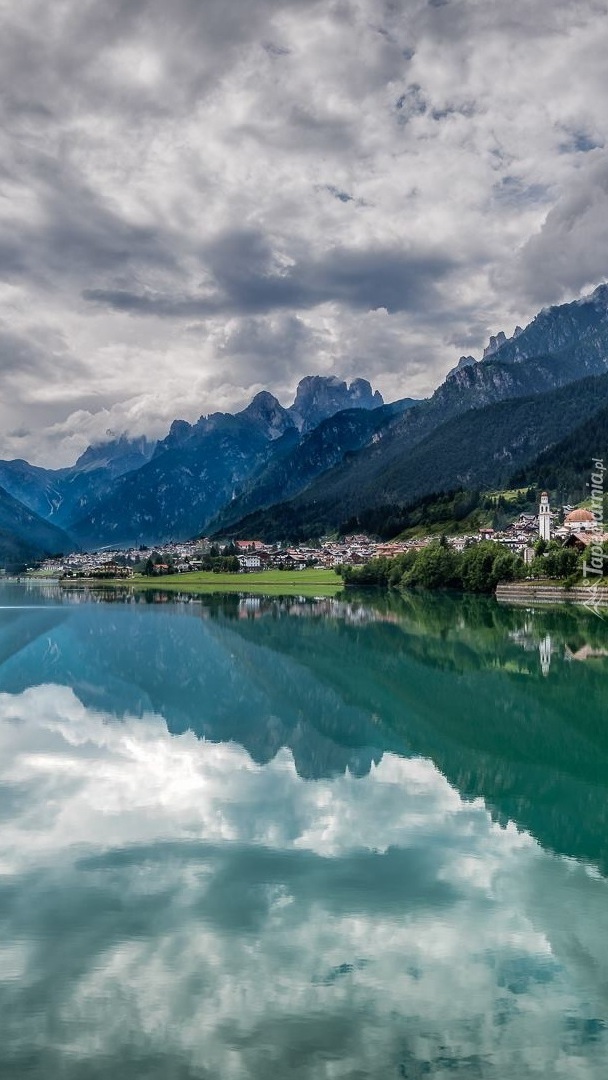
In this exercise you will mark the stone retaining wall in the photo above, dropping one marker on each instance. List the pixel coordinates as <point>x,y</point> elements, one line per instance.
<point>539,593</point>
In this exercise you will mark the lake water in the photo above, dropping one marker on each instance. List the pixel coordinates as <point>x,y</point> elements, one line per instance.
<point>280,838</point>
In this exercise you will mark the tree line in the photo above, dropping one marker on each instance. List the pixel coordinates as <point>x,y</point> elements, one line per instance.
<point>479,568</point>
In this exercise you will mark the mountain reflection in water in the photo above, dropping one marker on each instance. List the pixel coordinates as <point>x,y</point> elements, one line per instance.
<point>344,838</point>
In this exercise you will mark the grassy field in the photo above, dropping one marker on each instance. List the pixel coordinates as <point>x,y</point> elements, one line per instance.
<point>267,582</point>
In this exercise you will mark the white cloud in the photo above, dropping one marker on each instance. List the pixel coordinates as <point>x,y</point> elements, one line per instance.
<point>427,143</point>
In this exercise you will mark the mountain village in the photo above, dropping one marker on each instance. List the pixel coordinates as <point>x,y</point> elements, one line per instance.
<point>572,527</point>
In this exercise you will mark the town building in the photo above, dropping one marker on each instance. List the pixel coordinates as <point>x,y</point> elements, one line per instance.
<point>582,540</point>
<point>578,521</point>
<point>250,561</point>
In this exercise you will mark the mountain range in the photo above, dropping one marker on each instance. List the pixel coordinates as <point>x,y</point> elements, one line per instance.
<point>486,421</point>
<point>134,491</point>
<point>337,450</point>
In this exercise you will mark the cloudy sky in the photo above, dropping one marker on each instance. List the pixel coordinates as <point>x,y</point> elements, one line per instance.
<point>208,197</point>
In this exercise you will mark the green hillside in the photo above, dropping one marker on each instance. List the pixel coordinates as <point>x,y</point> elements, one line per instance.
<point>480,450</point>
<point>565,468</point>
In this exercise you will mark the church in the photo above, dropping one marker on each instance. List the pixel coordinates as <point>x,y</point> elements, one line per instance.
<point>579,530</point>
<point>575,522</point>
<point>580,521</point>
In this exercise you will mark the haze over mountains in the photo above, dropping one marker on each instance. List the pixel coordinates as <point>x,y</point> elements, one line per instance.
<point>335,451</point>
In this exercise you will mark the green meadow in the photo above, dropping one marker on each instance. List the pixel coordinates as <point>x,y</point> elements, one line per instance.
<point>268,582</point>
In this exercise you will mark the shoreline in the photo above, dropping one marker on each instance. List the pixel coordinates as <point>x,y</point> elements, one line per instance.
<point>322,583</point>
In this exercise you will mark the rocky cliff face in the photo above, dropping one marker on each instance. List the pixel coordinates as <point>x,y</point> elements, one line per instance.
<point>561,345</point>
<point>464,361</point>
<point>479,449</point>
<point>199,469</point>
<point>264,414</point>
<point>319,397</point>
<point>61,495</point>
<point>133,491</point>
<point>495,344</point>
<point>175,494</point>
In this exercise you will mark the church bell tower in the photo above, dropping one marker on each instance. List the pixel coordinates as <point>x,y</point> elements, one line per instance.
<point>544,518</point>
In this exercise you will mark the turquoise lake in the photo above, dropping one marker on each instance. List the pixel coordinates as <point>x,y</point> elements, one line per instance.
<point>264,838</point>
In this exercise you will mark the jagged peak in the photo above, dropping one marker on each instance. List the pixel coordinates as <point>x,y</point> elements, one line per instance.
<point>319,380</point>
<point>266,411</point>
<point>180,427</point>
<point>263,402</point>
<point>495,343</point>
<point>320,396</point>
<point>464,361</point>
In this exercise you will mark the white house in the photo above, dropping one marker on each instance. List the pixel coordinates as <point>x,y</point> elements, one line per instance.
<point>250,561</point>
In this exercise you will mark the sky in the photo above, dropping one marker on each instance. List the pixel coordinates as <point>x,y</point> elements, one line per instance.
<point>207,198</point>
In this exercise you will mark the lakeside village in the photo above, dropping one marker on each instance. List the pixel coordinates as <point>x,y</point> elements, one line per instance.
<point>577,529</point>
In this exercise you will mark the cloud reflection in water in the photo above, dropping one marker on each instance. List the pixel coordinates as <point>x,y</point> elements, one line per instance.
<point>171,908</point>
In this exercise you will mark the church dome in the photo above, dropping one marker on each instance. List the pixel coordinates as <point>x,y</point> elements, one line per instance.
<point>576,516</point>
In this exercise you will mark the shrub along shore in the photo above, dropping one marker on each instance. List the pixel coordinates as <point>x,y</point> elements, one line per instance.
<point>477,569</point>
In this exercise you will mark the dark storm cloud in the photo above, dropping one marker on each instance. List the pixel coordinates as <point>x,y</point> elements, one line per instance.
<point>76,233</point>
<point>245,279</point>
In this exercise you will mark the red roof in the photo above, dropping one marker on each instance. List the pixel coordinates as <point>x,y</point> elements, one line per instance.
<point>579,515</point>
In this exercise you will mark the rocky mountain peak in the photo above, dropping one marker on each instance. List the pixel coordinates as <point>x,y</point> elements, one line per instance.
<point>321,396</point>
<point>268,414</point>
<point>464,362</point>
<point>575,331</point>
<point>179,431</point>
<point>119,455</point>
<point>495,343</point>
